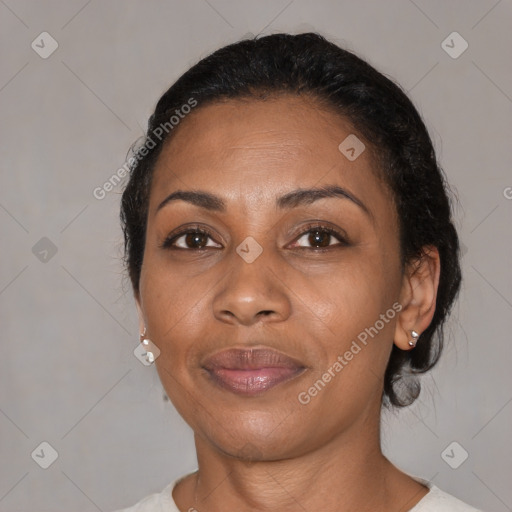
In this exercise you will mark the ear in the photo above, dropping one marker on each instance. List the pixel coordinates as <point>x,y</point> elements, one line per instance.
<point>418,296</point>
<point>142,323</point>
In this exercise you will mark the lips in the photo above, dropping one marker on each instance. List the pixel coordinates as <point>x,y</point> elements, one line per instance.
<point>251,371</point>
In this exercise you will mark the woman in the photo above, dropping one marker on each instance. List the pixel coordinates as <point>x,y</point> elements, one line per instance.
<point>289,241</point>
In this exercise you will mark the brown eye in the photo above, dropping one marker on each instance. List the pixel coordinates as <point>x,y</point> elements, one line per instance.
<point>320,237</point>
<point>193,239</point>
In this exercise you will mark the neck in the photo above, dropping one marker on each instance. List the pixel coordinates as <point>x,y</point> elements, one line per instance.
<point>348,473</point>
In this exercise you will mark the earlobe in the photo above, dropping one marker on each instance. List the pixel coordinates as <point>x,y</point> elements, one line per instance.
<point>418,298</point>
<point>415,336</point>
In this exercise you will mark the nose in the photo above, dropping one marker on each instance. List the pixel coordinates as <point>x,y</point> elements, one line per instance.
<point>251,293</point>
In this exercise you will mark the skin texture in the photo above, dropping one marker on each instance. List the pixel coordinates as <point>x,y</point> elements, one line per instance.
<point>270,452</point>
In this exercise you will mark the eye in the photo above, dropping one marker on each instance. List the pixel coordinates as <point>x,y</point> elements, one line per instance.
<point>190,239</point>
<point>320,237</point>
<point>195,238</point>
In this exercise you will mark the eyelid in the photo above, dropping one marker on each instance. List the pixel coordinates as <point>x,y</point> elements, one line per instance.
<point>190,228</point>
<point>303,230</point>
<point>336,232</point>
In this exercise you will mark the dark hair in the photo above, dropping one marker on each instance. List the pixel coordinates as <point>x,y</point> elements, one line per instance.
<point>308,64</point>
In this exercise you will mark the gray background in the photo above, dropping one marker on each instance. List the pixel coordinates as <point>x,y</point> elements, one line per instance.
<point>68,375</point>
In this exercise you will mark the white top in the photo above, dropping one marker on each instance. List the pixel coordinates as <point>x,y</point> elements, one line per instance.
<point>435,501</point>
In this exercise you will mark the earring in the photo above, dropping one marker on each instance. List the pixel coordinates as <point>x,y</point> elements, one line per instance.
<point>150,357</point>
<point>415,336</point>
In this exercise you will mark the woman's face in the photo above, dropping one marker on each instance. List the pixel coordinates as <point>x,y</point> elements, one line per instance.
<point>280,268</point>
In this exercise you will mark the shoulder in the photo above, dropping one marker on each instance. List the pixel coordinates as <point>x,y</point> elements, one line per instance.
<point>156,502</point>
<point>435,501</point>
<point>439,501</point>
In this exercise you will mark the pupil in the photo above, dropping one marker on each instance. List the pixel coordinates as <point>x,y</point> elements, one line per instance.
<point>316,238</point>
<point>195,239</point>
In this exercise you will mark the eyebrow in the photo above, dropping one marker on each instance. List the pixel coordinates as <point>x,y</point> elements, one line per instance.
<point>293,199</point>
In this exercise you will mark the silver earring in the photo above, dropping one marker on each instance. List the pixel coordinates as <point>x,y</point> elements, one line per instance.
<point>150,357</point>
<point>415,336</point>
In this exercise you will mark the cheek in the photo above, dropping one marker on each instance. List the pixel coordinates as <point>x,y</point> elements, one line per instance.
<point>174,305</point>
<point>356,309</point>
<point>358,315</point>
<point>332,305</point>
<point>334,314</point>
<point>353,294</point>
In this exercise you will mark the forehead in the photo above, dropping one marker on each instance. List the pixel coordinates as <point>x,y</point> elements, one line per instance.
<point>249,150</point>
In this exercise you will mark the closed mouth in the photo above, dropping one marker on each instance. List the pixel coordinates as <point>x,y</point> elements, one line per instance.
<point>251,371</point>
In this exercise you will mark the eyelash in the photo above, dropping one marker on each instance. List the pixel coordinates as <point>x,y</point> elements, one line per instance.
<point>310,228</point>
<point>169,241</point>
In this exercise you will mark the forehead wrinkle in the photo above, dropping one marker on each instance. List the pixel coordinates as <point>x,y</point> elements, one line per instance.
<point>268,139</point>
<point>277,148</point>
